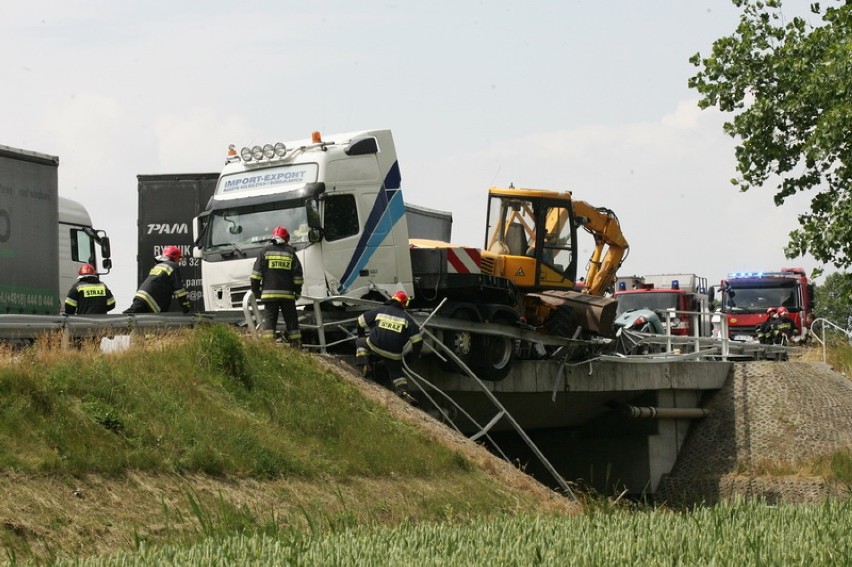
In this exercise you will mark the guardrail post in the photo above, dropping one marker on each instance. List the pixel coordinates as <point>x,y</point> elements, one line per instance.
<point>66,339</point>
<point>320,326</point>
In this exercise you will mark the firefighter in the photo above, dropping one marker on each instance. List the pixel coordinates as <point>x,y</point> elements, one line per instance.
<point>783,327</point>
<point>276,281</point>
<point>88,295</point>
<point>163,282</point>
<point>391,329</point>
<point>764,330</point>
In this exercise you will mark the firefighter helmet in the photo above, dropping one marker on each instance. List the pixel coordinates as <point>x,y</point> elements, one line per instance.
<point>173,253</point>
<point>402,298</point>
<point>782,312</point>
<point>86,270</point>
<point>281,232</point>
<point>771,310</point>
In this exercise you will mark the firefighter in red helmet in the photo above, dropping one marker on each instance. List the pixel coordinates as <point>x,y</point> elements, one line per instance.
<point>88,295</point>
<point>163,282</point>
<point>783,327</point>
<point>391,330</point>
<point>276,281</point>
<point>763,331</point>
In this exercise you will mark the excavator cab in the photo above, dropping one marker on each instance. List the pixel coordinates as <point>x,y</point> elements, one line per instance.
<point>531,238</point>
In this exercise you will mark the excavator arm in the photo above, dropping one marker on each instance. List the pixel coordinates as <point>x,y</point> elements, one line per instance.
<point>610,246</point>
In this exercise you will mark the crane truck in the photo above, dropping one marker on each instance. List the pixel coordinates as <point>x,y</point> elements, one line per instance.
<point>341,198</point>
<point>44,238</point>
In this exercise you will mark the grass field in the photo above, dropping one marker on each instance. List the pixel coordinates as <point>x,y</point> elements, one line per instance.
<point>730,534</point>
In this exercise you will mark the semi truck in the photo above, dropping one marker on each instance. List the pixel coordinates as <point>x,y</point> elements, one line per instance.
<point>746,297</point>
<point>672,297</point>
<point>44,238</point>
<point>341,198</point>
<point>168,203</point>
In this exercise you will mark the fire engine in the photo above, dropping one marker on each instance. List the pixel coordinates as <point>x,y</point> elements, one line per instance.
<point>746,297</point>
<point>672,297</point>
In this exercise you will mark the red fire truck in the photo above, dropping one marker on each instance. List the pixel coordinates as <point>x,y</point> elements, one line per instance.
<point>669,296</point>
<point>745,298</point>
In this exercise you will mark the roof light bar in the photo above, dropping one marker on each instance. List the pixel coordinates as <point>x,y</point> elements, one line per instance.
<point>257,153</point>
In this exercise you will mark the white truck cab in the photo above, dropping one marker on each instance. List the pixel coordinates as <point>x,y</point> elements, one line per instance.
<point>339,197</point>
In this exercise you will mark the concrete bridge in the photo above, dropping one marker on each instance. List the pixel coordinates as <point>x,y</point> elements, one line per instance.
<point>608,423</point>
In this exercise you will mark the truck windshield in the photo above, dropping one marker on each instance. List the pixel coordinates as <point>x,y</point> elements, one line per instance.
<point>759,296</point>
<point>656,301</point>
<point>251,226</point>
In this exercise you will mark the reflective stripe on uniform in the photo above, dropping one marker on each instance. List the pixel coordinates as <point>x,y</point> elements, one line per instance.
<point>384,353</point>
<point>146,297</point>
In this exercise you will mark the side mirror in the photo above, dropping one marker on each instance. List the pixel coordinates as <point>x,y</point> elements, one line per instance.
<point>107,264</point>
<point>312,210</point>
<point>106,252</point>
<point>316,235</point>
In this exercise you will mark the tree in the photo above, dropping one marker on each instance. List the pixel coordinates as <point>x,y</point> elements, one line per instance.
<point>789,89</point>
<point>833,299</point>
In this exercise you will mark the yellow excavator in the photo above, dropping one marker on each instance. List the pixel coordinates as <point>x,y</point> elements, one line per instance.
<point>531,240</point>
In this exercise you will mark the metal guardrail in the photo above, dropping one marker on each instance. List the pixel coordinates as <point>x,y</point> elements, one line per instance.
<point>28,328</point>
<point>824,325</point>
<point>715,347</point>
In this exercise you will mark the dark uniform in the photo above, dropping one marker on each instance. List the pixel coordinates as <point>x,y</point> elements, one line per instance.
<point>783,328</point>
<point>391,329</point>
<point>277,280</point>
<point>155,293</point>
<point>763,331</point>
<point>89,296</point>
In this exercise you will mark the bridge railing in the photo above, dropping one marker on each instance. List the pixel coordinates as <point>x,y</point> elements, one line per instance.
<point>819,328</point>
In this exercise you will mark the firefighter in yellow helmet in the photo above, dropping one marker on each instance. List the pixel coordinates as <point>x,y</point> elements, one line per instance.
<point>391,329</point>
<point>276,281</point>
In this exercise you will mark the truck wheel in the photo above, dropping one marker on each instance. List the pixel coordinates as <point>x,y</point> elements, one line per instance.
<point>497,358</point>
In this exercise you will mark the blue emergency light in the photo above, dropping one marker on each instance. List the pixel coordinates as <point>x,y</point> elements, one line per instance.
<point>622,286</point>
<point>675,284</point>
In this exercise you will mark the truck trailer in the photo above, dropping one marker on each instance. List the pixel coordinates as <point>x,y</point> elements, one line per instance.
<point>44,238</point>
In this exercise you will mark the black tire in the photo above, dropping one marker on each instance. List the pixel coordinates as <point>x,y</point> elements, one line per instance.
<point>496,359</point>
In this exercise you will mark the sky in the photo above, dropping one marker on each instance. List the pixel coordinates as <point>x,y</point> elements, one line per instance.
<point>584,96</point>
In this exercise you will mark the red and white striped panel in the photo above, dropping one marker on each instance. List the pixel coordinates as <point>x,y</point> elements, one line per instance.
<point>462,260</point>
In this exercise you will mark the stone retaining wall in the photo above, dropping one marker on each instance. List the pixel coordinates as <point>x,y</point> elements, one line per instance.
<point>768,413</point>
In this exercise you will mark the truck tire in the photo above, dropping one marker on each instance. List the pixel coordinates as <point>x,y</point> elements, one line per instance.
<point>497,353</point>
<point>495,361</point>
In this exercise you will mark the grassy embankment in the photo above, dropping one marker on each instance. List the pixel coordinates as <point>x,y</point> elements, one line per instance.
<point>204,434</point>
<point>203,447</point>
